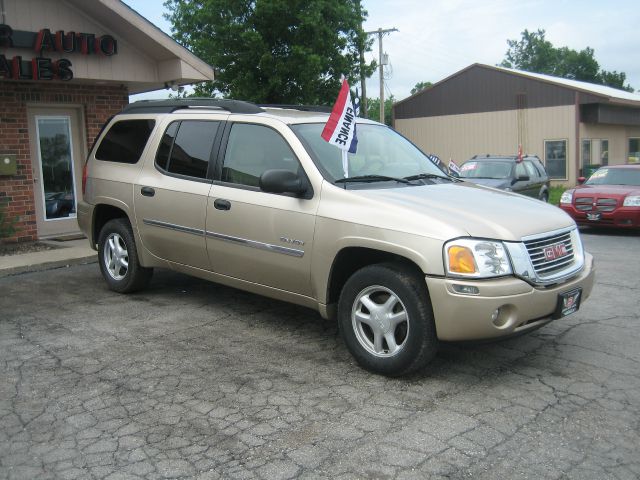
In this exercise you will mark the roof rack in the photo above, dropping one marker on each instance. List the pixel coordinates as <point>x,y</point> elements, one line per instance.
<point>303,108</point>
<point>168,106</point>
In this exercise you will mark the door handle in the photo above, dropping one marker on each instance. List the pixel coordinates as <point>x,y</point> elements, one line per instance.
<point>147,191</point>
<point>221,204</point>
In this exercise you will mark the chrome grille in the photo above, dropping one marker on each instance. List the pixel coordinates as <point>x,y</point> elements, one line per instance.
<point>584,203</point>
<point>606,204</point>
<point>543,266</point>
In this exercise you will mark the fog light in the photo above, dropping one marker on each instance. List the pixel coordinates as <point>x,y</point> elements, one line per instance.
<point>465,289</point>
<point>501,317</point>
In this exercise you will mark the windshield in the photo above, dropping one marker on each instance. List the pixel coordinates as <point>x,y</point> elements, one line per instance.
<point>486,169</point>
<point>382,152</point>
<point>614,176</point>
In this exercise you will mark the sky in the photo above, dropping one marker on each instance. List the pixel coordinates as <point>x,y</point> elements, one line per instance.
<point>438,38</point>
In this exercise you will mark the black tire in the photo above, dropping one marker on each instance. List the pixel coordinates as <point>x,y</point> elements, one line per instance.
<point>415,339</point>
<point>118,258</point>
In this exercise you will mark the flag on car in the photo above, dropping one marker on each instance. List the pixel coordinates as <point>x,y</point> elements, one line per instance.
<point>340,129</point>
<point>453,167</point>
<point>519,153</point>
<point>434,158</point>
<point>356,103</point>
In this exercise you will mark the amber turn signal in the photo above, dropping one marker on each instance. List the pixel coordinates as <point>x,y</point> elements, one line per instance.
<point>461,260</point>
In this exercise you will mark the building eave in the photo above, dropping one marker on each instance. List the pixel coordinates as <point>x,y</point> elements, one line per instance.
<point>176,64</point>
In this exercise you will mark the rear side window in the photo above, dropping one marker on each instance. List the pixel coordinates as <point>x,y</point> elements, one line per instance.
<point>125,141</point>
<point>531,169</point>
<point>185,148</point>
<point>540,168</point>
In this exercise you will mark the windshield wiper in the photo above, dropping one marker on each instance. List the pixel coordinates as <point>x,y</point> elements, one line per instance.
<point>421,176</point>
<point>373,178</point>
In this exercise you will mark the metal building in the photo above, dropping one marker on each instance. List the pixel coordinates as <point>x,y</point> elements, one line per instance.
<point>481,109</point>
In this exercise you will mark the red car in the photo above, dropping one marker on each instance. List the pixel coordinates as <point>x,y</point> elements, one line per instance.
<point>609,198</point>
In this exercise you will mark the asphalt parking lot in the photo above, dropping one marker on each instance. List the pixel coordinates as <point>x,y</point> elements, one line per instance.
<point>193,380</point>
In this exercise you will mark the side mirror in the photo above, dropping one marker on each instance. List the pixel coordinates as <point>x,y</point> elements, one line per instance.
<point>581,180</point>
<point>282,181</point>
<point>521,178</point>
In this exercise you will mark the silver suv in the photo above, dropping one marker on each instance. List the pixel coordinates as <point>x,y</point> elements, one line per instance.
<point>401,254</point>
<point>525,176</point>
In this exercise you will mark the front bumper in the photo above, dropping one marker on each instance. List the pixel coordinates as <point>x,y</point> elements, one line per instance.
<point>621,217</point>
<point>522,307</point>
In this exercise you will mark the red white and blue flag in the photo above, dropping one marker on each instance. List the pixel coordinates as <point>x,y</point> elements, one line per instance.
<point>340,129</point>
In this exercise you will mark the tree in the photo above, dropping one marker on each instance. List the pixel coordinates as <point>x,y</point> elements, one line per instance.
<point>273,51</point>
<point>420,86</point>
<point>373,109</point>
<point>533,53</point>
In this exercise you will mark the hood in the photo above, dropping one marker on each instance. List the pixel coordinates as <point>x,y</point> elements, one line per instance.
<point>444,211</point>
<point>500,183</point>
<point>611,191</point>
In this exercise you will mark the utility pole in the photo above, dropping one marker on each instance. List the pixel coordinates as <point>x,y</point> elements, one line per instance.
<point>362,41</point>
<point>380,32</point>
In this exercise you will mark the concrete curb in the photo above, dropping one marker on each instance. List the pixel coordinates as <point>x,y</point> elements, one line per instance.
<point>75,252</point>
<point>39,267</point>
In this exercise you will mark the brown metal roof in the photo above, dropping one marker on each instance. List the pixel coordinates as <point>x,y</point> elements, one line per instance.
<point>482,88</point>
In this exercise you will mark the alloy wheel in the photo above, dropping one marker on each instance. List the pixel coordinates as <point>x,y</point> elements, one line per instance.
<point>116,256</point>
<point>380,321</point>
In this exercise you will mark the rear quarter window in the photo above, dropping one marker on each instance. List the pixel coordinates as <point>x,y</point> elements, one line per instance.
<point>125,141</point>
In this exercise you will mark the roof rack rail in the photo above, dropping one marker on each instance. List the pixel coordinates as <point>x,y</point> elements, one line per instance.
<point>303,108</point>
<point>168,106</point>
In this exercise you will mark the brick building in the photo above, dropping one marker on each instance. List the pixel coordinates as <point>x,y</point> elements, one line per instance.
<point>58,87</point>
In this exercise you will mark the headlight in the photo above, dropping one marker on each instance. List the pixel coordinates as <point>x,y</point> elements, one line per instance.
<point>566,197</point>
<point>632,201</point>
<point>476,258</point>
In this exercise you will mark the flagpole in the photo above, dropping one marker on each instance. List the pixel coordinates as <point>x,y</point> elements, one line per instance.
<point>345,163</point>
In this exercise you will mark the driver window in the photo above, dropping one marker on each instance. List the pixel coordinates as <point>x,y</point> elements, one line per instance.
<point>252,150</point>
<point>520,170</point>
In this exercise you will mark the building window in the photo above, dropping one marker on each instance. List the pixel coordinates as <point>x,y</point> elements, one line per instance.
<point>634,150</point>
<point>604,152</point>
<point>586,153</point>
<point>555,158</point>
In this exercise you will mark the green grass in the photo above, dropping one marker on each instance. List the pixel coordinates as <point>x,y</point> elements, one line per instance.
<point>555,193</point>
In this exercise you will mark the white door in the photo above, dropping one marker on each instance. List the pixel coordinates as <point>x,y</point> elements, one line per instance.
<point>57,153</point>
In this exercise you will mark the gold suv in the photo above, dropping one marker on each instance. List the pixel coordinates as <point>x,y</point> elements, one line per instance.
<point>401,254</point>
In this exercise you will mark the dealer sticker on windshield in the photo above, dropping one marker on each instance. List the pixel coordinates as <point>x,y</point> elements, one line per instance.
<point>568,303</point>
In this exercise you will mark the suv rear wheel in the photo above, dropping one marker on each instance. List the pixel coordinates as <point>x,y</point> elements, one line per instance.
<point>386,321</point>
<point>118,258</point>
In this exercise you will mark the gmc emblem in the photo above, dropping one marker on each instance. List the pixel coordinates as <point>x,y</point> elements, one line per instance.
<point>555,251</point>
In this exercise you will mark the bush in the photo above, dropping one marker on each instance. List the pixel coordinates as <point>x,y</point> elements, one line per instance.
<point>555,193</point>
<point>7,225</point>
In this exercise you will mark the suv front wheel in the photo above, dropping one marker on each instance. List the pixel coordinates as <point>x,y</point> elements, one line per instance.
<point>386,320</point>
<point>118,258</point>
